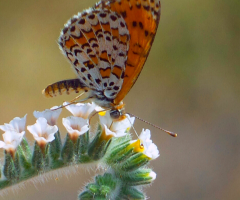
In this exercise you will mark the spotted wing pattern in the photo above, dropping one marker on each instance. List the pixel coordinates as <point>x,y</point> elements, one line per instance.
<point>96,43</point>
<point>107,47</point>
<point>142,18</point>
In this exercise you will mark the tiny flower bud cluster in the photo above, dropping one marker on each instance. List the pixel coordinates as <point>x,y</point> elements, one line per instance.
<point>110,145</point>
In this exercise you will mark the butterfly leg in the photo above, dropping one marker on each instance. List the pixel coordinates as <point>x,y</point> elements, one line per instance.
<point>77,97</point>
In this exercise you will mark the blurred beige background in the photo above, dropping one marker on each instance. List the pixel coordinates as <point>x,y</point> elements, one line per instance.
<point>190,85</point>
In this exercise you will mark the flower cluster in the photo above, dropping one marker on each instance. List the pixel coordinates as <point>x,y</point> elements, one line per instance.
<point>110,145</point>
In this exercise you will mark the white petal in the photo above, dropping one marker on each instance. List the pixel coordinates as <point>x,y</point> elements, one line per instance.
<point>17,124</point>
<point>80,109</point>
<point>113,133</point>
<point>109,132</point>
<point>123,125</point>
<point>105,118</point>
<point>51,136</point>
<point>51,115</point>
<point>11,140</point>
<point>119,127</point>
<point>75,125</point>
<point>7,127</point>
<point>150,149</point>
<point>42,131</point>
<point>145,135</point>
<point>153,175</point>
<point>2,144</point>
<point>120,133</point>
<point>34,130</point>
<point>98,108</point>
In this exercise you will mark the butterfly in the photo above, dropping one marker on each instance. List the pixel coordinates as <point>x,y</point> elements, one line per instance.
<point>107,46</point>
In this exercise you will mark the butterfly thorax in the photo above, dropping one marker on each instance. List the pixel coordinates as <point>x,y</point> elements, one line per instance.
<point>117,111</point>
<point>101,98</point>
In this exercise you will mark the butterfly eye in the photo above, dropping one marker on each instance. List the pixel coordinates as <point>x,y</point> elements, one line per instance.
<point>115,114</point>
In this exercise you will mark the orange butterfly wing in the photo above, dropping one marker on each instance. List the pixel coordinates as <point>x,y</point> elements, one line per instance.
<point>142,18</point>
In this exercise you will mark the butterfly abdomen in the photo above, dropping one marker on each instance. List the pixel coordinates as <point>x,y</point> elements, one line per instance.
<point>65,86</point>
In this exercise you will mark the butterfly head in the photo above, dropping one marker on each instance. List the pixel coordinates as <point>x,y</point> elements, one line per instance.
<point>118,112</point>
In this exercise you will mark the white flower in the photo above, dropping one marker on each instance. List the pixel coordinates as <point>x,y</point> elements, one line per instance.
<point>118,128</point>
<point>98,109</point>
<point>42,132</point>
<point>108,132</point>
<point>17,124</point>
<point>82,110</point>
<point>51,115</point>
<point>150,149</point>
<point>11,140</point>
<point>153,175</point>
<point>75,126</point>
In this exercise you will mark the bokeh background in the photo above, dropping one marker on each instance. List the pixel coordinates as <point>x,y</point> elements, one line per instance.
<point>190,84</point>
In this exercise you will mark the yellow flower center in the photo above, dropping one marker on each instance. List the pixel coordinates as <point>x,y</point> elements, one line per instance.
<point>138,146</point>
<point>102,113</point>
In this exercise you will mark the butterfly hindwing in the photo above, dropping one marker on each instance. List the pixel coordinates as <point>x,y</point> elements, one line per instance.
<point>96,43</point>
<point>142,18</point>
<point>75,44</point>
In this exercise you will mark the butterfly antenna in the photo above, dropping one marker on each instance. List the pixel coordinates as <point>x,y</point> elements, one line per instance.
<point>132,126</point>
<point>166,131</point>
